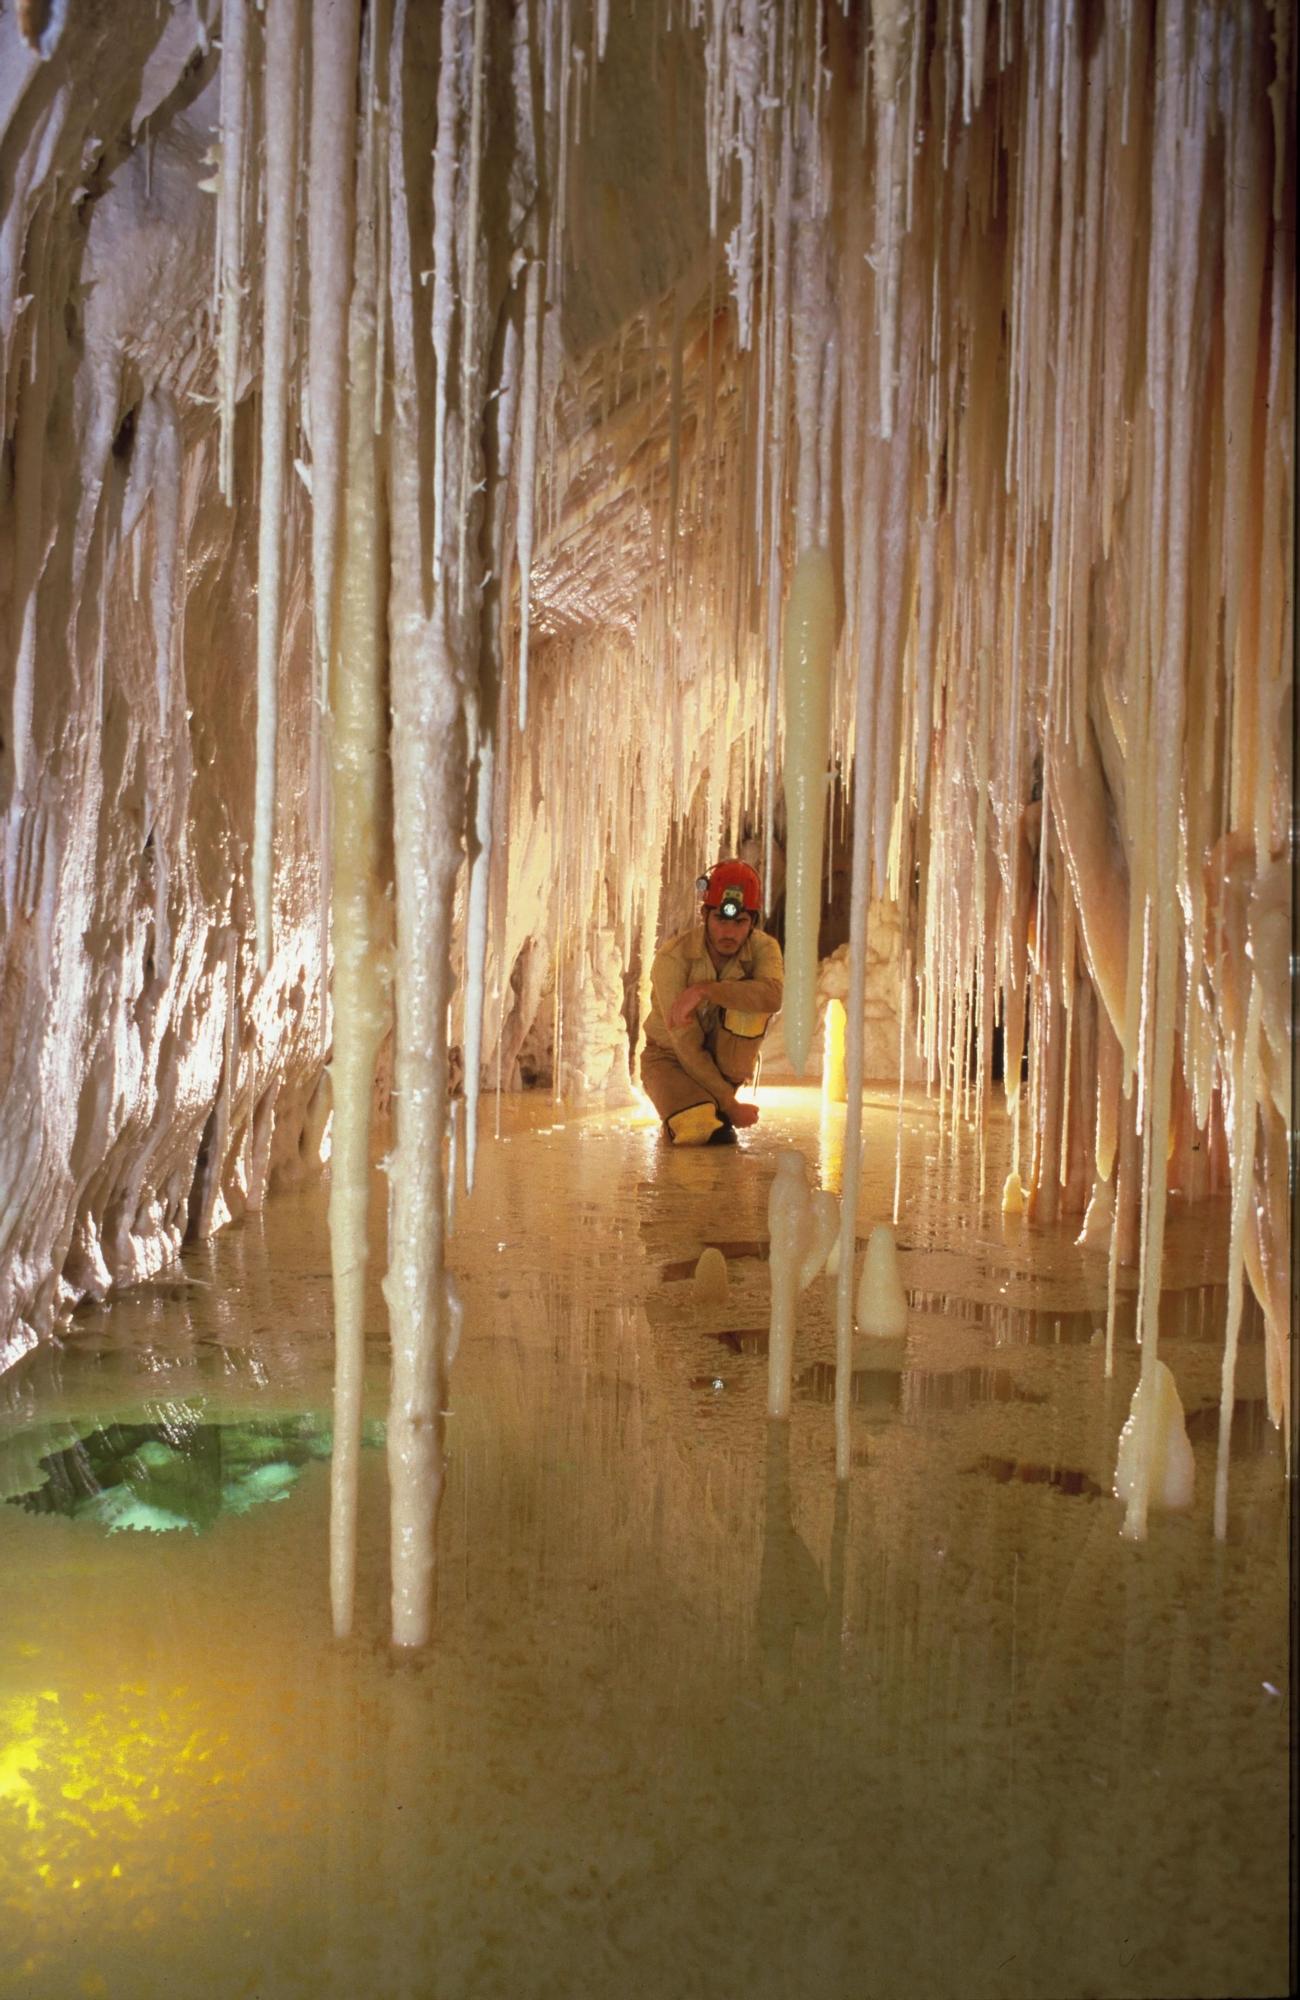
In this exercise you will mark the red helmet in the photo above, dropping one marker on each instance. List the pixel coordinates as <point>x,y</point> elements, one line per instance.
<point>732,887</point>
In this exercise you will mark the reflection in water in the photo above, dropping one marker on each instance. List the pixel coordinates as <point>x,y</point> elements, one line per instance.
<point>791,1594</point>
<point>697,1721</point>
<point>1197,1313</point>
<point>1061,1478</point>
<point>961,1388</point>
<point>180,1472</point>
<point>873,1389</point>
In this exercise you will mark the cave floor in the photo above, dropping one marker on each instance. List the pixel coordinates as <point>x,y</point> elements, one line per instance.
<point>695,1722</point>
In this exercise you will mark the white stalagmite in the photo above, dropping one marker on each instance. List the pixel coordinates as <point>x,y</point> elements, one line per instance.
<point>281,112</point>
<point>361,914</point>
<point>1155,1467</point>
<point>788,1226</point>
<point>709,1285</point>
<point>809,640</point>
<point>881,1303</point>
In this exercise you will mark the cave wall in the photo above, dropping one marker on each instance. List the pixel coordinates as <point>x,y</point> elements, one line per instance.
<point>154,1082</point>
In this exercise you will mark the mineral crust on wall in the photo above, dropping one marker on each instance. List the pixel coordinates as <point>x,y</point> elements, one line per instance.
<point>152,1081</point>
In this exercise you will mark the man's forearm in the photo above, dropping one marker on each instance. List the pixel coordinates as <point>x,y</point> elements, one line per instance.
<point>750,996</point>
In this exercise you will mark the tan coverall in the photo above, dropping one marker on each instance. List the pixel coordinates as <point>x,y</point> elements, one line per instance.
<point>696,1069</point>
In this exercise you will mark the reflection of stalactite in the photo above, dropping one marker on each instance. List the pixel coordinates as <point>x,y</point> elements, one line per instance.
<point>791,1594</point>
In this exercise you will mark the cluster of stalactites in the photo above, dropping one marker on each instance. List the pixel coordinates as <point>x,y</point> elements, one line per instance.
<point>1014,333</point>
<point>1018,296</point>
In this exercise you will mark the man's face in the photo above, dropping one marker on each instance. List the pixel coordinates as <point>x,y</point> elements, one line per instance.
<point>727,934</point>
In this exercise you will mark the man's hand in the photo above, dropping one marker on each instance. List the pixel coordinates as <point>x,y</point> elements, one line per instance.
<point>744,1114</point>
<point>684,1006</point>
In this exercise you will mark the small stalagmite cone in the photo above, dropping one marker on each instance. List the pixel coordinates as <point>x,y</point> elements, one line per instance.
<point>1155,1467</point>
<point>1013,1195</point>
<point>709,1286</point>
<point>882,1302</point>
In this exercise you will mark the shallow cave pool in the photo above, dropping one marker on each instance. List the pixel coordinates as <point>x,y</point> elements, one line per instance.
<point>697,1720</point>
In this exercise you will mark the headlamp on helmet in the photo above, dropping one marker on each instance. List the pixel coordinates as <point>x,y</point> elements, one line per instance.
<point>732,889</point>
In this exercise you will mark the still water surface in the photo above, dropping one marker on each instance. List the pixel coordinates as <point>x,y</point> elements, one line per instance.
<point>695,1722</point>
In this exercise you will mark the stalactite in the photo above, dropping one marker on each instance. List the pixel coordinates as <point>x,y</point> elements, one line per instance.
<point>444,237</point>
<point>809,638</point>
<point>429,771</point>
<point>230,220</point>
<point>528,419</point>
<point>361,914</point>
<point>281,119</point>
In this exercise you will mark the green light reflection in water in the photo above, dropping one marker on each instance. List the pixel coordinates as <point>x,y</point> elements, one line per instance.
<point>176,1469</point>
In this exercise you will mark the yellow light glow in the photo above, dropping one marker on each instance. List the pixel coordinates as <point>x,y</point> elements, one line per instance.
<point>834,1084</point>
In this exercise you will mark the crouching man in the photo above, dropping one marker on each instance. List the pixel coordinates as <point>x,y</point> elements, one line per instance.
<point>715,986</point>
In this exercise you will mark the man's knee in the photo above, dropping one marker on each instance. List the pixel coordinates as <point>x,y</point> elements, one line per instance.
<point>695,1126</point>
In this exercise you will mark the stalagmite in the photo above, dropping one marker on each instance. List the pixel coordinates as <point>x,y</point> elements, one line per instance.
<point>881,1308</point>
<point>709,1285</point>
<point>1155,1467</point>
<point>809,638</point>
<point>788,1224</point>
